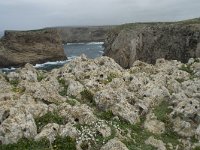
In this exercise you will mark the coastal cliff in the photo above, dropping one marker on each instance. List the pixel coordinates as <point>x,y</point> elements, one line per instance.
<point>150,41</point>
<point>83,34</point>
<point>37,46</point>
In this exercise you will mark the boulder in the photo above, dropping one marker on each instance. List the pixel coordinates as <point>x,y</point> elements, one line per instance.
<point>160,145</point>
<point>114,144</point>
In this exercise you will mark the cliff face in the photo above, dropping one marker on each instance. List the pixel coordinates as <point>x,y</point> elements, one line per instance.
<point>148,42</point>
<point>83,34</point>
<point>20,47</point>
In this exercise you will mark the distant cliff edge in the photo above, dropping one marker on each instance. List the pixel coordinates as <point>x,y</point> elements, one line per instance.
<point>150,41</point>
<point>37,46</point>
<point>83,34</point>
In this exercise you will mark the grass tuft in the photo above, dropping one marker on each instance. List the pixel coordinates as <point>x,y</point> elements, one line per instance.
<point>40,76</point>
<point>105,115</point>
<point>50,117</point>
<point>87,96</point>
<point>62,82</point>
<point>186,68</point>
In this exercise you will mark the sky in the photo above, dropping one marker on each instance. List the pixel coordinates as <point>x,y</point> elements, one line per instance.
<point>35,14</point>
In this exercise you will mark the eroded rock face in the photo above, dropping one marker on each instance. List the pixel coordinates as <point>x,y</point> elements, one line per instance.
<point>20,47</point>
<point>149,42</point>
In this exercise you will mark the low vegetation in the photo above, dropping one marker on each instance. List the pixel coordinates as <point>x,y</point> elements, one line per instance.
<point>14,82</point>
<point>187,68</point>
<point>105,115</point>
<point>162,112</point>
<point>87,96</point>
<point>61,143</point>
<point>40,76</point>
<point>62,82</point>
<point>50,117</point>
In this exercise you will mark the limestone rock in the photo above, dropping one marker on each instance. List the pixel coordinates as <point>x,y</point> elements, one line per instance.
<point>114,144</point>
<point>120,98</point>
<point>105,130</point>
<point>74,89</point>
<point>50,131</point>
<point>153,125</point>
<point>82,114</point>
<point>68,130</point>
<point>19,124</point>
<point>155,143</point>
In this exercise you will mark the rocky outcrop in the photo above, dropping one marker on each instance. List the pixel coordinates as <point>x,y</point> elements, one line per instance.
<point>83,34</point>
<point>148,42</point>
<point>20,47</point>
<point>96,104</point>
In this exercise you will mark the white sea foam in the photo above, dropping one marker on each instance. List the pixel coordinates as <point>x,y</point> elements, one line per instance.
<point>75,43</point>
<point>101,52</point>
<point>55,62</point>
<point>3,70</point>
<point>95,43</point>
<point>89,43</point>
<point>41,65</point>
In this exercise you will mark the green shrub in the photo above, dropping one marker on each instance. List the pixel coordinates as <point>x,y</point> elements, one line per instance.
<point>186,68</point>
<point>72,102</point>
<point>14,82</point>
<point>40,76</point>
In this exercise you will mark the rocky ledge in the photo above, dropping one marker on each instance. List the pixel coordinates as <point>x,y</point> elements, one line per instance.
<point>96,104</point>
<point>150,41</point>
<point>38,46</point>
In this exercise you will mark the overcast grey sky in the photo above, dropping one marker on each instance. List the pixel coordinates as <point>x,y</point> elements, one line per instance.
<point>32,14</point>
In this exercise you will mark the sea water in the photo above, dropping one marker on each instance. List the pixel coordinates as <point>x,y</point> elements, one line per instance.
<point>72,50</point>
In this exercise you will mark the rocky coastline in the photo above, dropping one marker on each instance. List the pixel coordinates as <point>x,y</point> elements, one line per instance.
<point>96,104</point>
<point>37,46</point>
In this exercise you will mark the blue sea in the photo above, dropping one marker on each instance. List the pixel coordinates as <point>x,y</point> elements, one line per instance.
<point>72,50</point>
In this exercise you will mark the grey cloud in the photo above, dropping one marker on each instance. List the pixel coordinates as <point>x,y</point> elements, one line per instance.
<point>31,14</point>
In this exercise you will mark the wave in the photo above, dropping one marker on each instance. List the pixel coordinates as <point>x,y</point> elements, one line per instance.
<point>6,70</point>
<point>38,66</point>
<point>55,62</point>
<point>101,52</point>
<point>95,43</point>
<point>75,43</point>
<point>88,43</point>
